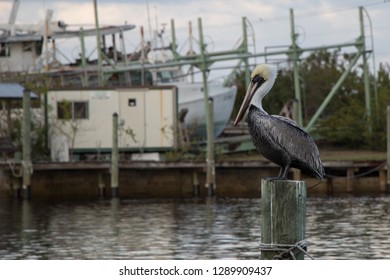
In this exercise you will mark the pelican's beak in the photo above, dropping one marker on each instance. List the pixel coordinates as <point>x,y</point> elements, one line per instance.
<point>247,99</point>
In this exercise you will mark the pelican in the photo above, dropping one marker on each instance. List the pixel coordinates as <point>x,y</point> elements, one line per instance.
<point>277,138</point>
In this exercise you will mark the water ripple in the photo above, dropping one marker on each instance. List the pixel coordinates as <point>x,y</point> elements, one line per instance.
<point>336,228</point>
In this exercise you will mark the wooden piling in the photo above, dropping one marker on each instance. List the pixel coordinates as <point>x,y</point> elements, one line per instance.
<point>296,174</point>
<point>101,185</point>
<point>114,157</point>
<point>184,139</point>
<point>210,176</point>
<point>15,183</point>
<point>26,136</point>
<point>195,184</point>
<point>329,186</point>
<point>283,210</point>
<point>208,102</point>
<point>382,181</point>
<point>350,179</point>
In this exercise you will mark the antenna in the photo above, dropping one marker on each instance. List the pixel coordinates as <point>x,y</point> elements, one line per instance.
<point>149,23</point>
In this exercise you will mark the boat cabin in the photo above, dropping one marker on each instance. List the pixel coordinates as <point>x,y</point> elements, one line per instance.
<point>82,120</point>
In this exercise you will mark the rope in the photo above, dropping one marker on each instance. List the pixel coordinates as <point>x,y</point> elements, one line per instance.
<point>352,177</point>
<point>11,165</point>
<point>24,165</point>
<point>286,251</point>
<point>361,174</point>
<point>315,185</point>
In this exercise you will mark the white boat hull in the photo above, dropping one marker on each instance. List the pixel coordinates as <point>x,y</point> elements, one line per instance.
<point>191,97</point>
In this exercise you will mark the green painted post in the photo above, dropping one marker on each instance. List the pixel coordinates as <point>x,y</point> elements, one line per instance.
<point>174,50</point>
<point>98,44</point>
<point>365,70</point>
<point>210,179</point>
<point>283,210</point>
<point>295,58</point>
<point>245,46</point>
<point>333,91</point>
<point>46,121</point>
<point>26,135</point>
<point>114,157</point>
<point>210,165</point>
<point>83,58</point>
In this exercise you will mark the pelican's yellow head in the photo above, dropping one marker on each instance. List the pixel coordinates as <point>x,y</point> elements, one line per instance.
<point>265,71</point>
<point>262,79</point>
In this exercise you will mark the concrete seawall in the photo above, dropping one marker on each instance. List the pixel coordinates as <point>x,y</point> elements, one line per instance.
<point>176,179</point>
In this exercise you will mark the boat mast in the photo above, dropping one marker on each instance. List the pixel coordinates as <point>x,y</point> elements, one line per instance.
<point>149,23</point>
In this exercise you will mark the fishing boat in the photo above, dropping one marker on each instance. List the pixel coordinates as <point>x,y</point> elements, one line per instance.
<point>30,51</point>
<point>191,95</point>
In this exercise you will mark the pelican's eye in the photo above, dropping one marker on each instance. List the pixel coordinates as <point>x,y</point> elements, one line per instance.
<point>258,80</point>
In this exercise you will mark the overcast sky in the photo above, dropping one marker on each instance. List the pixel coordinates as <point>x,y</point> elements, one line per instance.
<point>317,22</point>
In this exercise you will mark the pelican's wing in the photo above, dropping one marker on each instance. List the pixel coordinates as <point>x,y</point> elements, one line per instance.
<point>288,120</point>
<point>297,142</point>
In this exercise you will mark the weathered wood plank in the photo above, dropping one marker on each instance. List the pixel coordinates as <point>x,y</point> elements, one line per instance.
<point>283,206</point>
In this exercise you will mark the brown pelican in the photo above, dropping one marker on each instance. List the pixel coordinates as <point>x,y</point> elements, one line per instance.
<point>277,138</point>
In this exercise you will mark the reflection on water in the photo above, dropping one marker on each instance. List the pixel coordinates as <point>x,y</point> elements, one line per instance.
<point>337,228</point>
<point>349,228</point>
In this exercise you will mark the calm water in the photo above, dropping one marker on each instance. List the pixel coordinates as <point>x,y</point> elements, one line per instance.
<point>337,228</point>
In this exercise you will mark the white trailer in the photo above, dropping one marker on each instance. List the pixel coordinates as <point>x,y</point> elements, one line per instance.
<point>82,119</point>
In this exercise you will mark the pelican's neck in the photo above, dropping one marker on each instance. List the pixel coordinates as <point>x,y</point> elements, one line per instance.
<point>265,88</point>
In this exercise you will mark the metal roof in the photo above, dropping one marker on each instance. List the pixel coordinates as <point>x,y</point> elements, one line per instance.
<point>13,91</point>
<point>66,34</point>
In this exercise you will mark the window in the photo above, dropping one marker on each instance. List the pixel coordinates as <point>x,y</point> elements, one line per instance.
<point>164,76</point>
<point>74,110</point>
<point>4,49</point>
<point>27,47</point>
<point>80,110</point>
